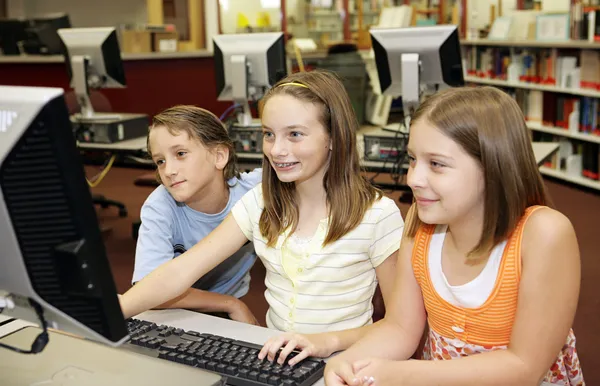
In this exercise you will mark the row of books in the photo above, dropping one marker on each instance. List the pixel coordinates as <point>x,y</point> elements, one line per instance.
<point>566,69</point>
<point>576,114</point>
<point>575,158</point>
<point>585,21</point>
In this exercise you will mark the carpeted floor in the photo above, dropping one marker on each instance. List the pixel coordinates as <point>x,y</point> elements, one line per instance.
<point>582,207</point>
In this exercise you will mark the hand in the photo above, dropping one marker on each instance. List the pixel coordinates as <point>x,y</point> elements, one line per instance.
<point>339,372</point>
<point>317,345</point>
<point>241,313</point>
<point>376,372</point>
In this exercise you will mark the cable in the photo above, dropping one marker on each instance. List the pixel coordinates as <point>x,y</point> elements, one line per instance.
<point>228,111</point>
<point>40,342</point>
<point>101,176</point>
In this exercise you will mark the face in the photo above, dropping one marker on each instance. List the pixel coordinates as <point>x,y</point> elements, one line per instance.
<point>447,183</point>
<point>186,167</point>
<point>294,140</point>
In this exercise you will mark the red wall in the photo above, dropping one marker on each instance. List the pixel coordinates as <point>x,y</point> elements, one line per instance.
<point>152,85</point>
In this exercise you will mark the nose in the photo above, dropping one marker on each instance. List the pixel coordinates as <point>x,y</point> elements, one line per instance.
<point>171,168</point>
<point>417,176</point>
<point>279,148</point>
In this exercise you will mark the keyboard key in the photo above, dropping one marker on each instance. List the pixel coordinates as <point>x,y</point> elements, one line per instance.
<point>172,356</point>
<point>191,361</point>
<point>263,378</point>
<point>253,375</point>
<point>211,365</point>
<point>230,370</point>
<point>274,380</point>
<point>178,331</point>
<point>201,363</point>
<point>243,373</point>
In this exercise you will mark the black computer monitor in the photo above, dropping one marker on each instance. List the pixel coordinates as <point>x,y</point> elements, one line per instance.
<point>42,33</point>
<point>411,59</point>
<point>53,258</point>
<point>247,65</point>
<point>12,34</point>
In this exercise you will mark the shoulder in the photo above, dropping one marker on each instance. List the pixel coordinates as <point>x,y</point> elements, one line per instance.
<point>160,200</point>
<point>247,180</point>
<point>252,199</point>
<point>546,232</point>
<point>384,204</point>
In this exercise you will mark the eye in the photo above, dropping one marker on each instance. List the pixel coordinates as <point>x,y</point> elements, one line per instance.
<point>295,134</point>
<point>181,153</point>
<point>411,159</point>
<point>436,165</point>
<point>267,135</point>
<point>159,162</point>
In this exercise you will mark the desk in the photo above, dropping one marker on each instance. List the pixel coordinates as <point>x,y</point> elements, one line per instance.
<point>187,320</point>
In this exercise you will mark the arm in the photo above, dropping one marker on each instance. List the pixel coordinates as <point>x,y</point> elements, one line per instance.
<point>176,276</point>
<point>548,294</point>
<point>206,301</point>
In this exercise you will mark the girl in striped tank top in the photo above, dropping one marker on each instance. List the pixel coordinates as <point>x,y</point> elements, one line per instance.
<point>484,261</point>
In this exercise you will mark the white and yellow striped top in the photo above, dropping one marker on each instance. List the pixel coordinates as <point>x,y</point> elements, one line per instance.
<point>314,289</point>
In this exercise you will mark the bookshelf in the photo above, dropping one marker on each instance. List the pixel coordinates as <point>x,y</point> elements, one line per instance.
<point>533,86</point>
<point>563,132</point>
<point>556,110</point>
<point>566,177</point>
<point>575,44</point>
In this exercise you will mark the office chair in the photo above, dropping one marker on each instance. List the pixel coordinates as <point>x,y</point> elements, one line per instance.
<point>102,104</point>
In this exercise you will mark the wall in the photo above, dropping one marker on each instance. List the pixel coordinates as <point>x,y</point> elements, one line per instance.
<point>250,8</point>
<point>83,13</point>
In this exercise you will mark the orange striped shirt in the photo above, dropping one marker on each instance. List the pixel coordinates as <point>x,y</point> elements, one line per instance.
<point>488,325</point>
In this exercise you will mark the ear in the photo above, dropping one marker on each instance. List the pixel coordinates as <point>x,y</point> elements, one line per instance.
<point>221,154</point>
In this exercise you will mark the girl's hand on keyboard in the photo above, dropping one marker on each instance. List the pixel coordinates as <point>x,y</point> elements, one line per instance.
<point>315,345</point>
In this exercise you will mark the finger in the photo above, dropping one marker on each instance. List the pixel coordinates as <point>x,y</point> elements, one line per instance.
<point>287,350</point>
<point>347,375</point>
<point>301,356</point>
<point>360,364</point>
<point>275,346</point>
<point>265,349</point>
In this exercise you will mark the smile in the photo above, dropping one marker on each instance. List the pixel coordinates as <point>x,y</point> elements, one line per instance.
<point>284,165</point>
<point>177,183</point>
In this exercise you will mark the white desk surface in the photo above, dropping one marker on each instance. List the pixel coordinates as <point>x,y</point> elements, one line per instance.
<point>187,320</point>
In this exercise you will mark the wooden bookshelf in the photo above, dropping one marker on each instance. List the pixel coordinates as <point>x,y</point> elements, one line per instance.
<point>574,179</point>
<point>533,86</point>
<point>563,132</point>
<point>576,44</point>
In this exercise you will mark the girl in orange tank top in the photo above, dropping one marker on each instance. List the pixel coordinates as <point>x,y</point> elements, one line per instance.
<point>484,261</point>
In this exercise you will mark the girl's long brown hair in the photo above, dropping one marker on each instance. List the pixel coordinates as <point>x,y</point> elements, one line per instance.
<point>489,125</point>
<point>349,194</point>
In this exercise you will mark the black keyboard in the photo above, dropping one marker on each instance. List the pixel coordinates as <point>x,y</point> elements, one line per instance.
<point>235,360</point>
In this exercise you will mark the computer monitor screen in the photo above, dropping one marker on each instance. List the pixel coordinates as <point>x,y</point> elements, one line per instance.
<point>52,249</point>
<point>438,50</point>
<point>247,65</point>
<point>93,59</point>
<point>100,47</point>
<point>12,34</point>
<point>42,33</point>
